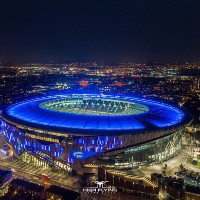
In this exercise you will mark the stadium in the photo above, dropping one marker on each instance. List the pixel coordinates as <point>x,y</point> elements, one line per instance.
<point>68,131</point>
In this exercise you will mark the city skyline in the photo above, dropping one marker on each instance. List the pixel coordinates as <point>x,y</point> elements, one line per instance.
<point>99,100</point>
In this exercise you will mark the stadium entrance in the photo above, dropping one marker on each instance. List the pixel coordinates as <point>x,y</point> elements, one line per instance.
<point>39,159</point>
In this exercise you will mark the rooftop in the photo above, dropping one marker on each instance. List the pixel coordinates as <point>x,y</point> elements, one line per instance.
<point>65,193</point>
<point>144,115</point>
<point>27,185</point>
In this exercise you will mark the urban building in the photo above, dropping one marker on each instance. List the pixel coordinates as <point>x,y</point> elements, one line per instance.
<point>139,186</point>
<point>5,177</point>
<point>21,189</point>
<point>192,192</point>
<point>58,193</point>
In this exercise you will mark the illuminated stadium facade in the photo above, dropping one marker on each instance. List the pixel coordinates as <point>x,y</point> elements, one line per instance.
<point>66,132</point>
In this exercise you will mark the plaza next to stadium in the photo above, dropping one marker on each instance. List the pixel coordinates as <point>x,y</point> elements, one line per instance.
<point>66,132</point>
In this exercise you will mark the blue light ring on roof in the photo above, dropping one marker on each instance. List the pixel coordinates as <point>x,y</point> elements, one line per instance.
<point>29,112</point>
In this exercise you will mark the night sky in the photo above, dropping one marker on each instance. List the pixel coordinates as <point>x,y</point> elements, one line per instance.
<point>103,30</point>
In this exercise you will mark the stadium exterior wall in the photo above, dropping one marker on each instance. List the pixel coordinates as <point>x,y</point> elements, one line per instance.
<point>60,148</point>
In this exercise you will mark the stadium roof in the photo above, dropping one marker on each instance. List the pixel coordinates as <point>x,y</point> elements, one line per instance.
<point>31,114</point>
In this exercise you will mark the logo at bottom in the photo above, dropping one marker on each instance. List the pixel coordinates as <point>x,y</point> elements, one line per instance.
<point>100,188</point>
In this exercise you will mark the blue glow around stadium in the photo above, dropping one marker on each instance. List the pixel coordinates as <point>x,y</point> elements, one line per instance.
<point>160,115</point>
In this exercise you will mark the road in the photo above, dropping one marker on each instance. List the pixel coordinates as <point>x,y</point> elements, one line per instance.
<point>30,173</point>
